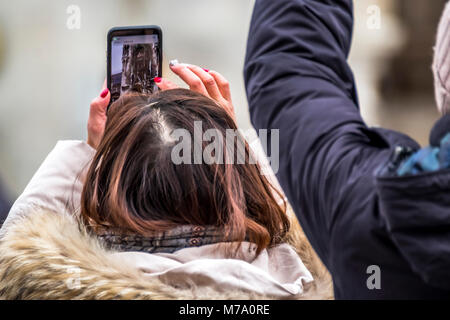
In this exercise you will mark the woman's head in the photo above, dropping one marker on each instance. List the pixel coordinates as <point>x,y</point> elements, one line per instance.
<point>134,185</point>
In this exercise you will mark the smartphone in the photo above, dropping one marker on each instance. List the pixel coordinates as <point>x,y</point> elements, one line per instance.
<point>134,60</point>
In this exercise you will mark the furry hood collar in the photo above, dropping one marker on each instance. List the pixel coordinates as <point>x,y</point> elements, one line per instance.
<point>48,256</point>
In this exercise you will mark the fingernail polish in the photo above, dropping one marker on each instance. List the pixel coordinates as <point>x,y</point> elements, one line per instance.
<point>206,70</point>
<point>104,93</point>
<point>173,62</point>
<point>157,79</point>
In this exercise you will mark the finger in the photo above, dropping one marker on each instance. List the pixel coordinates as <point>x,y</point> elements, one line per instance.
<point>222,83</point>
<point>102,99</point>
<point>100,103</point>
<point>208,81</point>
<point>165,84</point>
<point>190,78</point>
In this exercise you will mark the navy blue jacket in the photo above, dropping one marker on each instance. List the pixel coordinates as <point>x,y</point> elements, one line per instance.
<point>298,81</point>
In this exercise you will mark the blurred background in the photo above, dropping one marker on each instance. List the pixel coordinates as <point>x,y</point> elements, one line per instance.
<point>51,66</point>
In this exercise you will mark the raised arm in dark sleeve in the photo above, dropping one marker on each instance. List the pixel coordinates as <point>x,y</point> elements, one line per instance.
<point>298,81</point>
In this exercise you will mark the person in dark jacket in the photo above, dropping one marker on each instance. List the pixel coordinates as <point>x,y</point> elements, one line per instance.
<point>374,206</point>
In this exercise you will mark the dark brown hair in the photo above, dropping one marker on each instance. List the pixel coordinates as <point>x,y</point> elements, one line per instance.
<point>133,185</point>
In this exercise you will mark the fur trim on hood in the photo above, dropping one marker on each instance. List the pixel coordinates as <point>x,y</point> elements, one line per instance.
<point>48,256</point>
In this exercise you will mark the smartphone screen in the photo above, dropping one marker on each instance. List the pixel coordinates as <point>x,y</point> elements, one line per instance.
<point>134,61</point>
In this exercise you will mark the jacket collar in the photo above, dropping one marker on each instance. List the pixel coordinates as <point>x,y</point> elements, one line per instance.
<point>440,129</point>
<point>168,241</point>
<point>45,255</point>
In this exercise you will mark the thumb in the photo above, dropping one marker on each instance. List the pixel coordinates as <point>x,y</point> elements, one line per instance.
<point>164,84</point>
<point>97,118</point>
<point>100,104</point>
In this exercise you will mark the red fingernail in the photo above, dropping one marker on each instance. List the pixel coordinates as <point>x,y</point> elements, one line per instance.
<point>157,79</point>
<point>104,93</point>
<point>207,70</point>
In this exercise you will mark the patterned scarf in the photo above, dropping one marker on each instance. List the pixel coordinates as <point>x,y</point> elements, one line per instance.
<point>165,241</point>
